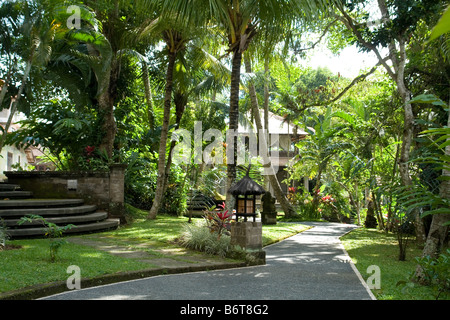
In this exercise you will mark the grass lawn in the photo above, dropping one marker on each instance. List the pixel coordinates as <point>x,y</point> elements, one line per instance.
<point>31,264</point>
<point>369,247</point>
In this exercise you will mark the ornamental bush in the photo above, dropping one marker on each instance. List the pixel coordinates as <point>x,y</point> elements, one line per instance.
<point>198,236</point>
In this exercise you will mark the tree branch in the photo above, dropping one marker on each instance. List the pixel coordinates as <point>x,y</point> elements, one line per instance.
<point>349,23</point>
<point>355,81</point>
<point>325,31</point>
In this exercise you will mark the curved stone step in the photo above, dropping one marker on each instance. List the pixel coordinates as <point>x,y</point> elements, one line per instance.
<point>15,194</point>
<point>47,212</point>
<point>39,203</point>
<point>60,221</point>
<point>81,228</point>
<point>9,187</point>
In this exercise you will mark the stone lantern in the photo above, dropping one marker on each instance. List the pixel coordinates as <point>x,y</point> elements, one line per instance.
<point>247,234</point>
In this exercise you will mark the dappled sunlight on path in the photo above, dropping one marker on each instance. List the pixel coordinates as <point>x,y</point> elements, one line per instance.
<point>309,265</point>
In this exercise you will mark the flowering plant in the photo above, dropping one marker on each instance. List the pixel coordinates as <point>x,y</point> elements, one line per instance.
<point>327,199</point>
<point>218,221</point>
<point>89,151</point>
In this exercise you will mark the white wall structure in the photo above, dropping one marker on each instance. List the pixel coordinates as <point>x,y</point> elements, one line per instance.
<point>11,157</point>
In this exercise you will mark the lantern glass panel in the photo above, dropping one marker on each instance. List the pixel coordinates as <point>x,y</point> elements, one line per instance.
<point>241,206</point>
<point>250,206</point>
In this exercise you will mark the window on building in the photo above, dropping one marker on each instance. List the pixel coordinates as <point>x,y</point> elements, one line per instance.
<point>9,161</point>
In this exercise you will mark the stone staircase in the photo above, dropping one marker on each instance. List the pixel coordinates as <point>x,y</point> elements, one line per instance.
<point>16,203</point>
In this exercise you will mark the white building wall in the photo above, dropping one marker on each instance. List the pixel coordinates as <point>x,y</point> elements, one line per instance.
<point>17,156</point>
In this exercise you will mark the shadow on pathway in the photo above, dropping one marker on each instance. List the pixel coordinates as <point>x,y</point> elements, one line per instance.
<point>311,265</point>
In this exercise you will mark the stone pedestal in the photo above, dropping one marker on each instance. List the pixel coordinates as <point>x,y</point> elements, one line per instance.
<point>117,191</point>
<point>247,235</point>
<point>269,217</point>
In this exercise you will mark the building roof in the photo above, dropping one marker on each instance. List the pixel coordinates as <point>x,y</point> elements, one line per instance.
<point>277,125</point>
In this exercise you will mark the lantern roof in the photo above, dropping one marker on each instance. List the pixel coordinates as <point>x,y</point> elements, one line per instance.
<point>246,186</point>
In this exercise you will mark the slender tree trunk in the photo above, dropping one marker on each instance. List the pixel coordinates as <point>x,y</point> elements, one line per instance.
<point>398,59</point>
<point>163,142</point>
<point>148,96</point>
<point>408,134</point>
<point>13,107</point>
<point>289,211</point>
<point>266,93</point>
<point>234,123</point>
<point>106,107</point>
<point>180,106</point>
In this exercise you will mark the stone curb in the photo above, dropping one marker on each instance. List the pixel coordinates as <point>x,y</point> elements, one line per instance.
<point>43,290</point>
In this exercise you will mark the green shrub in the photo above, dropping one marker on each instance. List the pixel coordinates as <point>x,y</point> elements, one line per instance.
<point>437,273</point>
<point>198,236</point>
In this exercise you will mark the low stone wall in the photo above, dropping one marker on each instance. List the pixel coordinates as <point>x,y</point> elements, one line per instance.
<point>104,189</point>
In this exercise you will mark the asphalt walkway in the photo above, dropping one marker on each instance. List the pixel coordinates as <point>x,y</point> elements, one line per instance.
<point>311,265</point>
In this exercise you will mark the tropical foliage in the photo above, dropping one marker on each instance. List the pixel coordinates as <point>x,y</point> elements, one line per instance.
<point>99,82</point>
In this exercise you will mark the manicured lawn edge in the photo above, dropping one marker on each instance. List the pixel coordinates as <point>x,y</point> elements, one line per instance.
<point>371,247</point>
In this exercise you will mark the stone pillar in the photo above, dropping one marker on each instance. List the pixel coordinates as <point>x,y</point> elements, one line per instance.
<point>116,192</point>
<point>269,211</point>
<point>248,235</point>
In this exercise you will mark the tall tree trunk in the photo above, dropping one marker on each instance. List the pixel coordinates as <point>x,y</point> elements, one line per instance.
<point>438,232</point>
<point>266,93</point>
<point>289,211</point>
<point>14,104</point>
<point>163,141</point>
<point>234,123</point>
<point>106,106</point>
<point>408,134</point>
<point>180,106</point>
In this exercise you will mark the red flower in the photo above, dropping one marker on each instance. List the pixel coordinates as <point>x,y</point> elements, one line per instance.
<point>89,150</point>
<point>223,215</point>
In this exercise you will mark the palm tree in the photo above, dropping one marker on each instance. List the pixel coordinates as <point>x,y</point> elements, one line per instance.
<point>288,210</point>
<point>91,57</point>
<point>175,39</point>
<point>38,32</point>
<point>239,21</point>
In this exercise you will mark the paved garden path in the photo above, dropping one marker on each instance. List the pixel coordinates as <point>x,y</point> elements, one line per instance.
<point>310,265</point>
